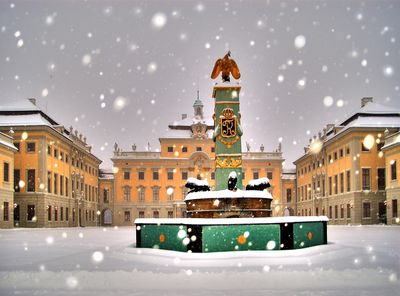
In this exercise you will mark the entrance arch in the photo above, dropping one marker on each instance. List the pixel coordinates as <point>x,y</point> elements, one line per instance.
<point>107,217</point>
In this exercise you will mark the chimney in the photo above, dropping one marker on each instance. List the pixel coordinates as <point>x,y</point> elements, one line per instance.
<point>32,100</point>
<point>184,116</point>
<point>366,100</point>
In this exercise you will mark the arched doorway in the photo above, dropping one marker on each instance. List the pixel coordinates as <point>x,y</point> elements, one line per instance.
<point>107,217</point>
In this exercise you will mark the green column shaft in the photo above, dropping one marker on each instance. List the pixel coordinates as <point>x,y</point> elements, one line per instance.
<point>227,135</point>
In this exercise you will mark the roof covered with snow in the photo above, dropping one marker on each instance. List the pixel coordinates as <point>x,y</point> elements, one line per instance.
<point>19,105</point>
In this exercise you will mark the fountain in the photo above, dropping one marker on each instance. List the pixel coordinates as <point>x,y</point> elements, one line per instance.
<point>229,218</point>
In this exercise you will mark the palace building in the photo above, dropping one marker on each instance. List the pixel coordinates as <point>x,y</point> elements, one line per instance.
<point>392,163</point>
<point>7,150</point>
<point>344,170</point>
<point>152,183</point>
<point>54,176</point>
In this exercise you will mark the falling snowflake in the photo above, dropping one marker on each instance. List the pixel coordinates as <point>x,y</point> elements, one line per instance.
<point>328,101</point>
<point>300,41</point>
<point>159,20</point>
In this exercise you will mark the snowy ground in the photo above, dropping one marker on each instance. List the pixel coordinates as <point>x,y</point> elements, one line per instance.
<point>95,261</point>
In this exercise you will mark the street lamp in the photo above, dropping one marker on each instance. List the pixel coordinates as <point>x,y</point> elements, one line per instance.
<point>98,217</point>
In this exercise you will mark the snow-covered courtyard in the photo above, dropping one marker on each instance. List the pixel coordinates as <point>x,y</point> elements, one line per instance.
<point>361,260</point>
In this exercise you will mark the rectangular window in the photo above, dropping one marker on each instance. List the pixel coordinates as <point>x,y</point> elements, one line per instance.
<point>105,195</point>
<point>48,150</point>
<point>366,179</point>
<point>213,176</point>
<point>141,191</point>
<point>289,195</point>
<point>394,208</point>
<point>184,175</point>
<point>184,149</point>
<point>213,149</point>
<point>61,214</point>
<point>269,175</point>
<point>255,175</point>
<point>348,183</point>
<point>127,193</point>
<point>55,213</point>
<point>330,212</point>
<point>170,149</point>
<point>66,186</point>
<point>127,216</point>
<point>55,153</point>
<point>393,170</point>
<point>347,150</point>
<point>17,178</point>
<point>381,179</point>
<point>6,172</point>
<point>199,149</point>
<point>341,153</point>
<point>30,147</point>
<point>341,182</point>
<point>66,158</point>
<point>309,191</point>
<point>366,210</point>
<point>16,144</point>
<point>49,213</point>
<point>156,214</point>
<point>335,155</point>
<point>5,211</point>
<point>323,187</point>
<point>141,175</point>
<point>170,214</point>
<point>55,184</point>
<point>61,156</point>
<point>330,158</point>
<point>170,175</point>
<point>330,185</point>
<point>156,175</point>
<point>336,212</point>
<point>170,194</point>
<point>66,214</point>
<point>336,185</point>
<point>49,174</point>
<point>341,212</point>
<point>141,214</point>
<point>31,212</point>
<point>31,181</point>
<point>156,194</point>
<point>61,185</point>
<point>127,175</point>
<point>348,211</point>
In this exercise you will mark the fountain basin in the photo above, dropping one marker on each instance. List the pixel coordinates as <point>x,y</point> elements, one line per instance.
<point>228,204</point>
<point>233,234</point>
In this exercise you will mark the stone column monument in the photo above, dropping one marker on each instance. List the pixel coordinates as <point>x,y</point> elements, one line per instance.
<point>228,130</point>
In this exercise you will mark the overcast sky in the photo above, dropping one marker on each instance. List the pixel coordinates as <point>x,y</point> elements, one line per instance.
<point>121,71</point>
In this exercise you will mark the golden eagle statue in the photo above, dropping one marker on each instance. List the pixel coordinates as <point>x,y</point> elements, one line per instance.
<point>227,66</point>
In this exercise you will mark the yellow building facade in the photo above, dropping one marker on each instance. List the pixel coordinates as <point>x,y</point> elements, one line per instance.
<point>342,173</point>
<point>392,163</point>
<point>151,184</point>
<point>55,173</point>
<point>7,150</point>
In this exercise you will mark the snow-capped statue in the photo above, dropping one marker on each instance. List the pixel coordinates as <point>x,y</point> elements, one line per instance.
<point>258,184</point>
<point>227,66</point>
<point>196,185</point>
<point>232,181</point>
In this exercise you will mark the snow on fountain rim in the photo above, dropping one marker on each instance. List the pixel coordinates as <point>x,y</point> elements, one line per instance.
<point>228,194</point>
<point>231,221</point>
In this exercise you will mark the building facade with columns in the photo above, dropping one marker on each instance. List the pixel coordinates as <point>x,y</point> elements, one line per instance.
<point>151,184</point>
<point>392,164</point>
<point>55,175</point>
<point>342,173</point>
<point>7,151</point>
